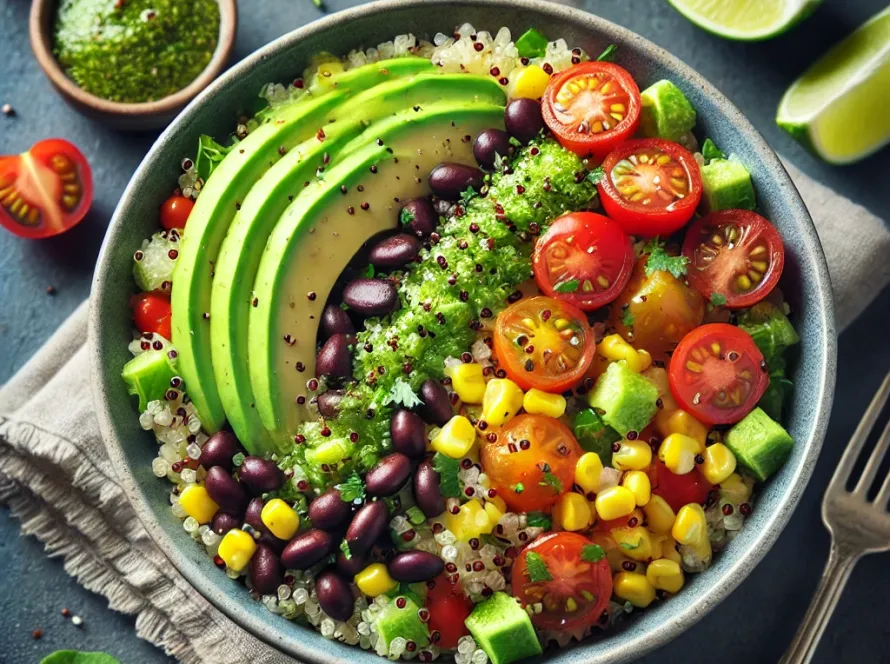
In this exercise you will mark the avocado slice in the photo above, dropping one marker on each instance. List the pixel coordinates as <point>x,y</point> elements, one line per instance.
<point>322,230</point>
<point>216,206</point>
<point>503,629</point>
<point>240,254</point>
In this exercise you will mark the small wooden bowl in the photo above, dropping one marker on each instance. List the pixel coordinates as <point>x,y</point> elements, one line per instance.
<point>129,117</point>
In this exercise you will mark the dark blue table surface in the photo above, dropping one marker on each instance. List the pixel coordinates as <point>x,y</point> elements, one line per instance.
<point>753,625</point>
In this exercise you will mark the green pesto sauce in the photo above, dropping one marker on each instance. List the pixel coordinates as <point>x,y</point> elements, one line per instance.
<point>135,50</point>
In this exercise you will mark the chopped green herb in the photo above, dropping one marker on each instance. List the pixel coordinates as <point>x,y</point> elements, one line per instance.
<point>515,142</point>
<point>569,286</point>
<point>710,151</point>
<point>402,394</point>
<point>518,487</point>
<point>609,54</point>
<point>627,546</point>
<point>539,520</point>
<point>344,306</point>
<point>369,271</point>
<point>448,469</point>
<point>659,259</point>
<point>592,553</point>
<point>551,480</point>
<point>344,547</point>
<point>536,568</point>
<point>210,154</point>
<point>718,299</point>
<point>627,318</point>
<point>352,490</point>
<point>596,175</point>
<point>238,459</point>
<point>468,195</point>
<point>532,44</point>
<point>406,216</point>
<point>628,607</point>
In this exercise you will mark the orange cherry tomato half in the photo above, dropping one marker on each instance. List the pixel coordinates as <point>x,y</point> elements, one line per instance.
<point>717,373</point>
<point>449,607</point>
<point>175,212</point>
<point>651,186</point>
<point>151,313</point>
<point>591,107</point>
<point>584,259</point>
<point>46,190</point>
<point>577,594</point>
<point>678,490</point>
<point>532,462</point>
<point>544,343</point>
<point>736,255</point>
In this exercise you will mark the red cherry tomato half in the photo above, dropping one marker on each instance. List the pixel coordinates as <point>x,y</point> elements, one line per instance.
<point>651,186</point>
<point>717,373</point>
<point>584,259</point>
<point>678,490</point>
<point>151,313</point>
<point>591,107</point>
<point>578,591</point>
<point>46,190</point>
<point>175,212</point>
<point>734,254</point>
<point>449,608</point>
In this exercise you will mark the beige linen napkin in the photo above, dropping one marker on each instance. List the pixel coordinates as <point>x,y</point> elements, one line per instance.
<point>56,477</point>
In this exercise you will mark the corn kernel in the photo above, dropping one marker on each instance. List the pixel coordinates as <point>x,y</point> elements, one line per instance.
<point>679,421</point>
<point>614,503</point>
<point>678,453</point>
<point>719,463</point>
<point>501,401</point>
<point>530,82</point>
<point>456,438</point>
<point>236,549</point>
<point>665,575</point>
<point>197,503</point>
<point>375,580</point>
<point>635,588</point>
<point>494,513</point>
<point>280,518</point>
<point>572,512</point>
<point>637,482</point>
<point>635,543</point>
<point>539,402</point>
<point>471,521</point>
<point>691,531</point>
<point>632,455</point>
<point>467,381</point>
<point>615,348</point>
<point>735,490</point>
<point>588,471</point>
<point>669,548</point>
<point>659,515</point>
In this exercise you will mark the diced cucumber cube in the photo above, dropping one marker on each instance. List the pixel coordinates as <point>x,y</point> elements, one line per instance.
<point>726,185</point>
<point>666,113</point>
<point>148,376</point>
<point>760,444</point>
<point>627,400</point>
<point>502,628</point>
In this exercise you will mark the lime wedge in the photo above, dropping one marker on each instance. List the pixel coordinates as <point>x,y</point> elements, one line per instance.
<point>839,107</point>
<point>745,20</point>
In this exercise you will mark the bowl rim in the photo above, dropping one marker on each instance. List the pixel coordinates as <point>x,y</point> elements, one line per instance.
<point>40,34</point>
<point>694,608</point>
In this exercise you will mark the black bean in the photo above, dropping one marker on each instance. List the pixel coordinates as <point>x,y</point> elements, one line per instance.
<point>329,512</point>
<point>253,518</point>
<point>219,450</point>
<point>489,143</point>
<point>450,180</point>
<point>394,252</point>
<point>371,297</point>
<point>223,522</point>
<point>334,360</point>
<point>523,119</point>
<point>334,595</point>
<point>427,492</point>
<point>366,526</point>
<point>408,434</point>
<point>335,321</point>
<point>388,476</point>
<point>260,475</point>
<point>415,566</point>
<point>329,403</point>
<point>307,549</point>
<point>418,216</point>
<point>436,408</point>
<point>352,565</point>
<point>265,570</point>
<point>225,490</point>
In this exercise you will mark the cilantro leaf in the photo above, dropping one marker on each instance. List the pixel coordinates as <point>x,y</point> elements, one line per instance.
<point>536,568</point>
<point>402,394</point>
<point>718,299</point>
<point>627,546</point>
<point>344,547</point>
<point>210,155</point>
<point>539,520</point>
<point>592,553</point>
<point>518,487</point>
<point>609,54</point>
<point>596,175</point>
<point>659,259</point>
<point>551,480</point>
<point>569,286</point>
<point>369,271</point>
<point>352,490</point>
<point>710,151</point>
<point>515,142</point>
<point>468,195</point>
<point>627,318</point>
<point>448,469</point>
<point>406,216</point>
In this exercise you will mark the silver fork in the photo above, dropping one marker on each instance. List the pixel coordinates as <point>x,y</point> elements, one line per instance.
<point>857,527</point>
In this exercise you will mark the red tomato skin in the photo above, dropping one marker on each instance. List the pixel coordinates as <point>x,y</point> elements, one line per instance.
<point>700,278</point>
<point>175,212</point>
<point>151,313</point>
<point>449,607</point>
<point>649,222</point>
<point>593,145</point>
<point>679,490</point>
<point>588,225</point>
<point>54,159</point>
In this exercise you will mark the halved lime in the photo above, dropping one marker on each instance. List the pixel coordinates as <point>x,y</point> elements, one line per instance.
<point>840,107</point>
<point>745,20</point>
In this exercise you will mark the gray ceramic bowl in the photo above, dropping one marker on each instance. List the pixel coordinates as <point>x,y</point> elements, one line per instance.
<point>805,281</point>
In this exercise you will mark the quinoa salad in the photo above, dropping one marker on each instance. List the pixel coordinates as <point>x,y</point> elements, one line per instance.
<point>463,348</point>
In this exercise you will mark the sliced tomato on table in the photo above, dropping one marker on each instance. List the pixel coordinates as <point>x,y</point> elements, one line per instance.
<point>448,608</point>
<point>46,190</point>
<point>650,186</point>
<point>562,575</point>
<point>151,313</point>
<point>678,490</point>
<point>585,259</point>
<point>735,256</point>
<point>717,373</point>
<point>591,107</point>
<point>545,343</point>
<point>175,212</point>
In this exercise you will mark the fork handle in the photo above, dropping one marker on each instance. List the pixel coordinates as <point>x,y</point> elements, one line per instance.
<point>834,579</point>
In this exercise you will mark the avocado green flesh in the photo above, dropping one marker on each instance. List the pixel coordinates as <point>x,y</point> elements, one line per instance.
<point>317,236</point>
<point>216,207</point>
<point>242,249</point>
